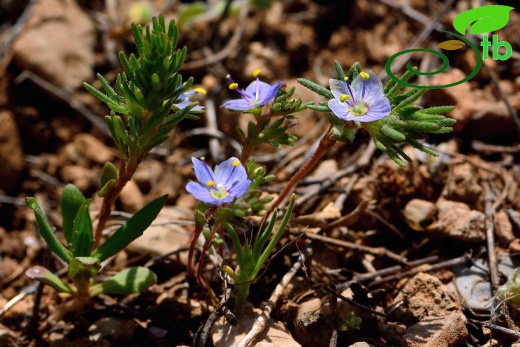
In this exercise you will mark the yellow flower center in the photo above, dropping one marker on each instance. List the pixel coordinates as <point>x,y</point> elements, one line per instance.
<point>256,73</point>
<point>233,86</point>
<point>364,75</point>
<point>236,163</point>
<point>200,90</point>
<point>210,183</point>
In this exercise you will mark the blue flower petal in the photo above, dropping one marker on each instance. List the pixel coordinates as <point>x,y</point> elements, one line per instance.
<point>379,108</point>
<point>240,188</point>
<point>266,94</point>
<point>238,104</point>
<point>201,193</point>
<point>338,88</point>
<point>340,109</point>
<point>202,171</point>
<point>226,173</point>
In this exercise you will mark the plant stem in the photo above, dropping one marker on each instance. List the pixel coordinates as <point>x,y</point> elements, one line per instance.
<point>195,237</point>
<point>242,294</point>
<point>325,144</point>
<point>126,171</point>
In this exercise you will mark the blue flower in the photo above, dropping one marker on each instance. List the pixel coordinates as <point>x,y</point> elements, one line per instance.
<point>186,100</point>
<point>256,95</point>
<point>229,181</point>
<point>363,101</point>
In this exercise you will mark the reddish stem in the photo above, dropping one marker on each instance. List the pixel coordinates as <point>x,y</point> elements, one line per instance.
<point>325,144</point>
<point>126,171</point>
<point>195,237</point>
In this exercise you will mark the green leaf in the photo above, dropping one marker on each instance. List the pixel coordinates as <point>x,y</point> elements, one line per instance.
<point>392,133</point>
<point>83,267</point>
<point>83,229</point>
<point>108,173</point>
<point>354,71</point>
<point>47,232</point>
<point>130,230</point>
<point>276,237</point>
<point>109,177</point>
<point>41,274</point>
<point>482,19</point>
<point>71,201</point>
<point>315,87</point>
<point>128,281</point>
<point>339,70</point>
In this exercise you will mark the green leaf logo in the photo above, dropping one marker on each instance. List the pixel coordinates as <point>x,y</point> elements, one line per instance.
<point>482,19</point>
<point>451,45</point>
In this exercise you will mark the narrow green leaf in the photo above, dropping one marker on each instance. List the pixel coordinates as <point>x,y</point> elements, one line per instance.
<point>83,229</point>
<point>276,237</point>
<point>130,230</point>
<point>354,71</point>
<point>421,126</point>
<point>339,70</point>
<point>318,108</point>
<point>47,232</point>
<point>392,133</point>
<point>315,87</point>
<point>41,274</point>
<point>71,201</point>
<point>129,281</point>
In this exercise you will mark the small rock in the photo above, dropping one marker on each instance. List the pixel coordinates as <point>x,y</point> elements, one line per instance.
<point>131,197</point>
<point>361,344</point>
<point>457,220</point>
<point>93,149</point>
<point>392,331</point>
<point>503,228</point>
<point>418,213</point>
<point>64,27</point>
<point>463,185</point>
<point>275,333</point>
<point>310,325</point>
<point>161,239</point>
<point>445,331</point>
<point>148,174</point>
<point>10,152</point>
<point>83,178</point>
<point>483,123</point>
<point>423,296</point>
<point>113,328</point>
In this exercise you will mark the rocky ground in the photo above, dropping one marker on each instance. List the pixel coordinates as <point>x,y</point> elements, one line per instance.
<point>413,252</point>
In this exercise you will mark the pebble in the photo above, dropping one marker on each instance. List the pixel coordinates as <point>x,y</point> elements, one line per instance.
<point>445,331</point>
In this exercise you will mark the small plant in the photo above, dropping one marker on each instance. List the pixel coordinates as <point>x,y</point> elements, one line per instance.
<point>149,100</point>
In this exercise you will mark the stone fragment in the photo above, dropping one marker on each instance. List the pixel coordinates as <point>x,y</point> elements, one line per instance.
<point>445,331</point>
<point>161,239</point>
<point>275,333</point>
<point>131,197</point>
<point>463,185</point>
<point>58,43</point>
<point>457,220</point>
<point>92,149</point>
<point>419,213</point>
<point>421,297</point>
<point>10,152</point>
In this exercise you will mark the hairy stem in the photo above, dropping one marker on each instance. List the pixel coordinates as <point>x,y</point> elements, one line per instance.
<point>325,144</point>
